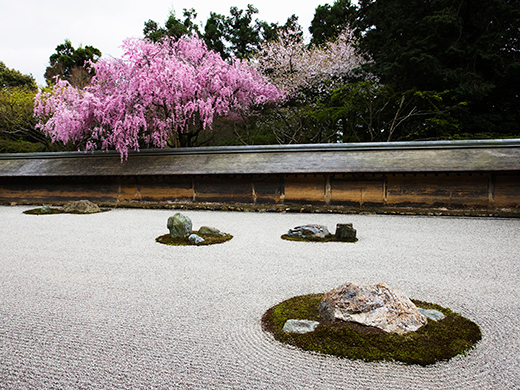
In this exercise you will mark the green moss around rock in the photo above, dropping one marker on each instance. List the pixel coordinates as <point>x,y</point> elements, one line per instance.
<point>331,238</point>
<point>434,342</point>
<point>209,239</point>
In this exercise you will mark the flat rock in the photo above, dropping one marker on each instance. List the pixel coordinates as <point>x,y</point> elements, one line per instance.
<point>373,305</point>
<point>210,230</point>
<point>432,314</point>
<point>179,226</point>
<point>81,206</point>
<point>300,326</point>
<point>309,231</point>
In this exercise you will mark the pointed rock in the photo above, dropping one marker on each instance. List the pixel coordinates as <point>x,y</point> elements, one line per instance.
<point>372,305</point>
<point>179,226</point>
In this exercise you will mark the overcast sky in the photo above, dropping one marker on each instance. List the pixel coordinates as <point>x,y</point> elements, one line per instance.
<point>30,30</point>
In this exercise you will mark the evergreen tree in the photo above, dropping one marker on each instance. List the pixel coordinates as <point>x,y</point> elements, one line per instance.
<point>71,64</point>
<point>467,47</point>
<point>329,21</point>
<point>173,27</point>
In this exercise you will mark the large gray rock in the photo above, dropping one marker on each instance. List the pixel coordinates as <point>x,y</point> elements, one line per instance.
<point>179,226</point>
<point>81,206</point>
<point>309,231</point>
<point>300,326</point>
<point>345,231</point>
<point>373,305</point>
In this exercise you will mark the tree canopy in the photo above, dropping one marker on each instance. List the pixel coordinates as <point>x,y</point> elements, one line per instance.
<point>173,27</point>
<point>381,70</point>
<point>237,35</point>
<point>17,125</point>
<point>156,93</point>
<point>70,64</point>
<point>330,20</point>
<point>470,48</point>
<point>14,78</point>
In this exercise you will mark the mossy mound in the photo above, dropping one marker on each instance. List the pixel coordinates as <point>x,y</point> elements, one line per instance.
<point>209,239</point>
<point>54,210</point>
<point>434,342</point>
<point>331,238</point>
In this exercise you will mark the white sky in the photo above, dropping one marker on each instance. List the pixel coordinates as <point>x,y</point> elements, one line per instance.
<point>30,30</point>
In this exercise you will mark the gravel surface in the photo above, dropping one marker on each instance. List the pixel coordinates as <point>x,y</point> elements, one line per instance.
<point>93,302</point>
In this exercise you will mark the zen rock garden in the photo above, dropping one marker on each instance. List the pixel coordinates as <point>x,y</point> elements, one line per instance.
<point>313,232</point>
<point>181,233</point>
<point>371,322</point>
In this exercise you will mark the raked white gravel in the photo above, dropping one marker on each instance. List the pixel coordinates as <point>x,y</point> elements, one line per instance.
<point>93,302</point>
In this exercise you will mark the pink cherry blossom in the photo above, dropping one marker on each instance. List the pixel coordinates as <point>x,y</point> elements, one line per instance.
<point>154,91</point>
<point>293,66</point>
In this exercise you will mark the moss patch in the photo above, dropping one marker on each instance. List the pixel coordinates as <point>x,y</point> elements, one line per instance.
<point>436,341</point>
<point>53,210</point>
<point>209,239</point>
<point>331,238</point>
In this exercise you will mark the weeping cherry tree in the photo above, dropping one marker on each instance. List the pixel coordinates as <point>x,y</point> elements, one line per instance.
<point>151,96</point>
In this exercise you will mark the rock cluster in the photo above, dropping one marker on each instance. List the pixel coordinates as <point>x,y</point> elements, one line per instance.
<point>372,305</point>
<point>344,232</point>
<point>180,226</point>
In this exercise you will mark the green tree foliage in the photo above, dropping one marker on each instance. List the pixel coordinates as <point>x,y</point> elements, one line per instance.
<point>214,34</point>
<point>14,78</point>
<point>16,114</point>
<point>366,110</point>
<point>244,36</point>
<point>330,20</point>
<point>237,35</point>
<point>173,27</point>
<point>468,47</point>
<point>17,125</point>
<point>71,64</point>
<point>309,75</point>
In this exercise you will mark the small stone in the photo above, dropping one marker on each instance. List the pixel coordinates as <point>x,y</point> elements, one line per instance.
<point>195,239</point>
<point>345,231</point>
<point>432,314</point>
<point>45,210</point>
<point>179,226</point>
<point>300,326</point>
<point>210,230</point>
<point>81,206</point>
<point>309,231</point>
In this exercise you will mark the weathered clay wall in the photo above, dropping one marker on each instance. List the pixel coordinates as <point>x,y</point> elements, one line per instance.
<point>452,190</point>
<point>452,176</point>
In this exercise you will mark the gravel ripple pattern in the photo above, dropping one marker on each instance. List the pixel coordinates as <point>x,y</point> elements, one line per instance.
<point>93,302</point>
